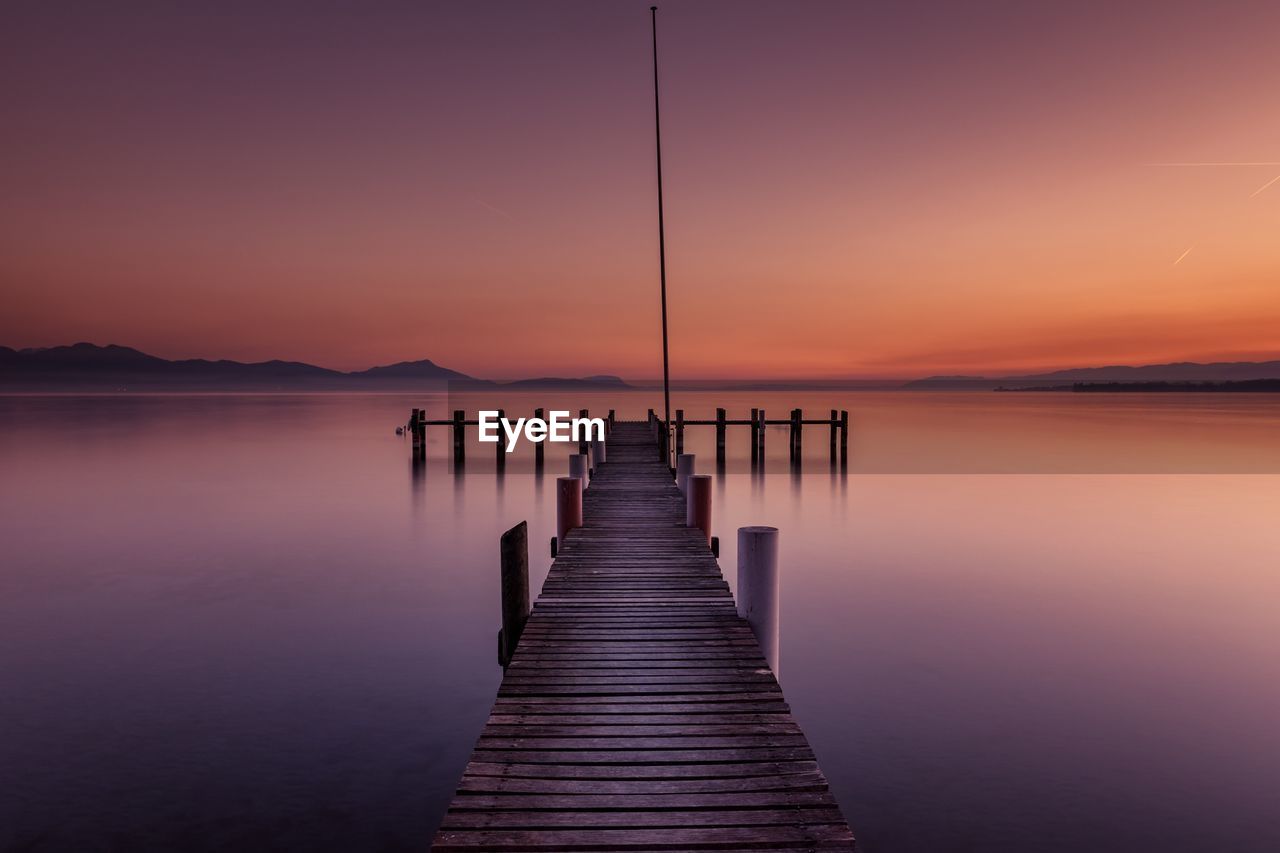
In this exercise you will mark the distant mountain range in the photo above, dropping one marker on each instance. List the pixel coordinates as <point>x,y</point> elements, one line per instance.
<point>1182,371</point>
<point>88,367</point>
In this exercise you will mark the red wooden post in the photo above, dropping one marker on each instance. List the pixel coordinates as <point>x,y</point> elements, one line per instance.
<point>568,505</point>
<point>698,504</point>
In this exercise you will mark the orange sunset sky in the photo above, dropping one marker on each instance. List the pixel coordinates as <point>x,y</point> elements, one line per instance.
<point>853,190</point>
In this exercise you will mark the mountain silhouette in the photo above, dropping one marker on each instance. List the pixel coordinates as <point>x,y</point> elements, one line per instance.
<point>1181,371</point>
<point>424,369</point>
<point>89,367</point>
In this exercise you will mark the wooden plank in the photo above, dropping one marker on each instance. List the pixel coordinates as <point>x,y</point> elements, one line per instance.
<point>727,817</point>
<point>637,712</point>
<point>640,771</point>
<point>821,836</point>
<point>481,784</point>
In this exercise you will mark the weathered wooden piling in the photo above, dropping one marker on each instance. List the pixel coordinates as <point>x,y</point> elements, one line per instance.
<point>685,463</point>
<point>584,434</point>
<point>835,428</point>
<point>679,432</point>
<point>764,427</point>
<point>514,549</point>
<point>501,459</point>
<point>539,447</point>
<point>799,435</point>
<point>720,428</point>
<point>698,504</point>
<point>579,466</point>
<point>758,587</point>
<point>755,437</point>
<point>459,437</point>
<point>797,425</point>
<point>844,436</point>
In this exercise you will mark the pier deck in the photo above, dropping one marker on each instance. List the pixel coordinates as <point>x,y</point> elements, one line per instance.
<point>637,712</point>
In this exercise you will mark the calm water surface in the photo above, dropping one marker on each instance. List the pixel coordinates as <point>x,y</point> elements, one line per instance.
<point>1019,622</point>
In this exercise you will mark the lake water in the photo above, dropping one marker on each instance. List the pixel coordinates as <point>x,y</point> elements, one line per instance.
<point>1018,622</point>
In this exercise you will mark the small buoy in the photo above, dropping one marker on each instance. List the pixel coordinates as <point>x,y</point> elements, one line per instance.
<point>399,430</point>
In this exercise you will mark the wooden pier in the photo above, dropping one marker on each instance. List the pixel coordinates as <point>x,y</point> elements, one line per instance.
<point>837,423</point>
<point>637,711</point>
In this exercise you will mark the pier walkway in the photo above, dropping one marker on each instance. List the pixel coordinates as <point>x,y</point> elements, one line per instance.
<point>637,712</point>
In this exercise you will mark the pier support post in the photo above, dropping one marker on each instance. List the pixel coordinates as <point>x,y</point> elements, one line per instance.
<point>844,436</point>
<point>679,432</point>
<point>501,459</point>
<point>539,447</point>
<point>415,435</point>
<point>698,504</point>
<point>579,467</point>
<point>568,506</point>
<point>598,454</point>
<point>799,436</point>
<point>515,589</point>
<point>684,470</point>
<point>720,426</point>
<point>795,435</point>
<point>764,427</point>
<point>758,587</point>
<point>835,428</point>
<point>611,421</point>
<point>459,437</point>
<point>584,433</point>
<point>755,437</point>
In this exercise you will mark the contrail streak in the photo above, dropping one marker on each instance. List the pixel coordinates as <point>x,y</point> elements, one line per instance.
<point>1224,163</point>
<point>496,210</point>
<point>1258,163</point>
<point>1264,186</point>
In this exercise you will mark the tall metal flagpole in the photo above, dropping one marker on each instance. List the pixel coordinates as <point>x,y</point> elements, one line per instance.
<point>662,249</point>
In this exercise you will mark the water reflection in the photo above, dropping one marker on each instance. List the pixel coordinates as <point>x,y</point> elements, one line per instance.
<point>218,621</point>
<point>418,476</point>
